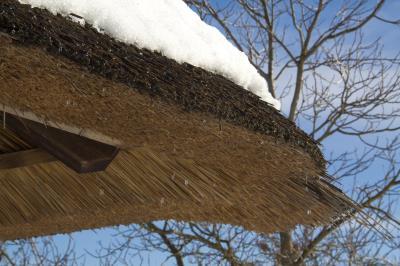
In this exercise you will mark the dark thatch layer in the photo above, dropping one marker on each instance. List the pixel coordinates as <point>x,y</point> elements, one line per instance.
<point>185,85</point>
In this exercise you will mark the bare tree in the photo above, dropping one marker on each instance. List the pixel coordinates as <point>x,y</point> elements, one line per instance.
<point>339,84</point>
<point>41,251</point>
<point>198,243</point>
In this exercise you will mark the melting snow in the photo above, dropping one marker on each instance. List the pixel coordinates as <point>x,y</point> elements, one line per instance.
<point>169,27</point>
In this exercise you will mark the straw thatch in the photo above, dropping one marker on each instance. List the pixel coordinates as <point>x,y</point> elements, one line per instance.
<point>194,145</point>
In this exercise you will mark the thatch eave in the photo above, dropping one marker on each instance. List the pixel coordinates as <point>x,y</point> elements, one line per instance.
<point>195,146</point>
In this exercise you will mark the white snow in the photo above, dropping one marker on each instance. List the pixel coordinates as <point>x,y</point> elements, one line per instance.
<point>169,27</point>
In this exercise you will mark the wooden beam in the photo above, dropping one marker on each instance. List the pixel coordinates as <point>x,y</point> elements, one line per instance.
<point>79,153</point>
<point>25,158</point>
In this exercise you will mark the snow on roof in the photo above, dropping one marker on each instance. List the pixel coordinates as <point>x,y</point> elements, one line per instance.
<point>169,27</point>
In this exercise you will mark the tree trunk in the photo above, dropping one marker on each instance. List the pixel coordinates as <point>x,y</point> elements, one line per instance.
<point>297,91</point>
<point>286,256</point>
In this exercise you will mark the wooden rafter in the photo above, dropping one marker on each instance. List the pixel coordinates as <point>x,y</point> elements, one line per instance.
<point>25,158</point>
<point>79,153</point>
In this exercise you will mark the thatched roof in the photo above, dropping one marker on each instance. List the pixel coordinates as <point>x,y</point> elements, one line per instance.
<point>194,146</point>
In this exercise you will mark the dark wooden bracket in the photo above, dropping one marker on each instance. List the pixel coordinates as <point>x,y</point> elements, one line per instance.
<point>79,153</point>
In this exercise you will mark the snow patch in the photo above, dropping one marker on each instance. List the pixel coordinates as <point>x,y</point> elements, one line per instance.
<point>169,27</point>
